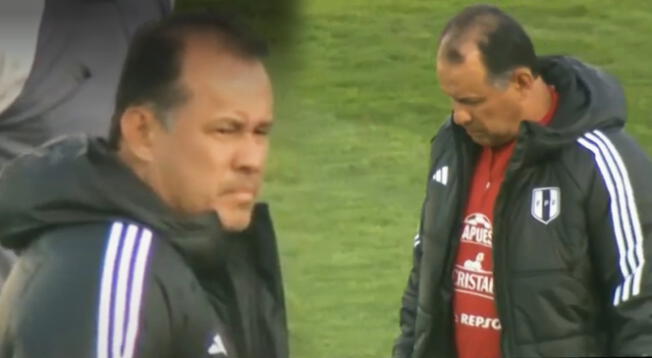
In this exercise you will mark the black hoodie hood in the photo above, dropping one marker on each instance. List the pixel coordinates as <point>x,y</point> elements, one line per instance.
<point>589,99</point>
<point>79,180</point>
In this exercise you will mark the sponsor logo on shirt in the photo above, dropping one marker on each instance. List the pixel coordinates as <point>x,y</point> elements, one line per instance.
<point>471,278</point>
<point>477,230</point>
<point>478,321</point>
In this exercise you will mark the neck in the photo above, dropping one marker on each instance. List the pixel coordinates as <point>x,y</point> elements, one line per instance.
<point>540,102</point>
<point>141,170</point>
<point>128,159</point>
<point>144,172</point>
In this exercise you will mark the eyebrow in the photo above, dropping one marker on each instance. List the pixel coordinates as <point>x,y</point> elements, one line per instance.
<point>266,122</point>
<point>469,99</point>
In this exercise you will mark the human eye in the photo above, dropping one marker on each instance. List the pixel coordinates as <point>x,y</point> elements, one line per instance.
<point>471,101</point>
<point>225,127</point>
<point>263,130</point>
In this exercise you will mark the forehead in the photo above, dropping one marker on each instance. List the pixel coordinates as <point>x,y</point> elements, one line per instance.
<point>211,72</point>
<point>463,79</point>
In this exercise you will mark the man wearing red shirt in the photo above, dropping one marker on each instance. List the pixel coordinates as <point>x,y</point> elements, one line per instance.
<point>477,326</point>
<point>535,231</point>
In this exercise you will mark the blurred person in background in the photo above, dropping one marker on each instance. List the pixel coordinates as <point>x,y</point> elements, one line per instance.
<point>60,63</point>
<point>536,230</point>
<point>151,244</point>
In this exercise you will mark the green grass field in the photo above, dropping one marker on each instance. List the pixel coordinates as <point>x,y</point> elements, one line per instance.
<point>349,159</point>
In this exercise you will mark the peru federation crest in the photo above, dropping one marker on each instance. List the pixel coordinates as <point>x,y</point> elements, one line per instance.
<point>546,204</point>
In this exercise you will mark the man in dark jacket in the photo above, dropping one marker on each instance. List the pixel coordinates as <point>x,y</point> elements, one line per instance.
<point>535,234</point>
<point>60,63</point>
<point>151,244</point>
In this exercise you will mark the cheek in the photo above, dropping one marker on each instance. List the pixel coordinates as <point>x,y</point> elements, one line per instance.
<point>485,115</point>
<point>497,115</point>
<point>197,163</point>
<point>207,160</point>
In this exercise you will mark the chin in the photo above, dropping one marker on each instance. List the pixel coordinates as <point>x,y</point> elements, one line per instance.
<point>235,219</point>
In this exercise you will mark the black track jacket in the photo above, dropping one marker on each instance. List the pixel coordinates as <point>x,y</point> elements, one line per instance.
<point>572,276</point>
<point>107,271</point>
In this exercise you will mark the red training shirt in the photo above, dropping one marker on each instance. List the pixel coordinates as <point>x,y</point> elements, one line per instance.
<point>477,326</point>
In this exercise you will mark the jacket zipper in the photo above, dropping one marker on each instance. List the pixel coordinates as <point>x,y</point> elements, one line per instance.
<point>501,259</point>
<point>501,293</point>
<point>462,199</point>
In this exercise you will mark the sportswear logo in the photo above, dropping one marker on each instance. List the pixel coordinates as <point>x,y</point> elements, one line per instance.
<point>546,204</point>
<point>217,347</point>
<point>441,175</point>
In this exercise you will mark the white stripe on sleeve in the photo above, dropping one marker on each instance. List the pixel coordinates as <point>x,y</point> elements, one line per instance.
<point>121,300</point>
<point>103,329</point>
<point>624,213</point>
<point>137,292</point>
<point>636,223</point>
<point>121,290</point>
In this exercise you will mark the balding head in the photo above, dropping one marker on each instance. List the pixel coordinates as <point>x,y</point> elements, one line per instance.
<point>501,41</point>
<point>156,54</point>
<point>486,64</point>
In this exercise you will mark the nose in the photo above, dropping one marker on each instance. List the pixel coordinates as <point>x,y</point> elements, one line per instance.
<point>461,117</point>
<point>251,155</point>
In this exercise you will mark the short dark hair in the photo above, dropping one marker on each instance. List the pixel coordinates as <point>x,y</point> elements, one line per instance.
<point>502,41</point>
<point>152,69</point>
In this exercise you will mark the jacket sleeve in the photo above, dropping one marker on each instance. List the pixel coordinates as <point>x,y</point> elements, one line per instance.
<point>404,344</point>
<point>74,296</point>
<point>619,214</point>
<point>407,316</point>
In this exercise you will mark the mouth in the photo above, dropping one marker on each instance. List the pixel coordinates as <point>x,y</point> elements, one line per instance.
<point>473,133</point>
<point>244,194</point>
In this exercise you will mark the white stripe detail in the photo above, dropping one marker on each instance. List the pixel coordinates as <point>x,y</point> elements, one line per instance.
<point>417,236</point>
<point>123,275</point>
<point>445,175</point>
<point>624,210</point>
<point>628,208</point>
<point>617,203</point>
<point>119,307</point>
<point>624,213</point>
<point>636,223</point>
<point>103,333</point>
<point>417,240</point>
<point>615,216</point>
<point>617,295</point>
<point>137,292</point>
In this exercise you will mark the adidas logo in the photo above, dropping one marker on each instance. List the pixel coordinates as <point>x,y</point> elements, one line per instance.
<point>217,347</point>
<point>441,175</point>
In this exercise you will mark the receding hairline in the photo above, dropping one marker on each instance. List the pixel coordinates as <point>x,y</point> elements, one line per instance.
<point>210,43</point>
<point>455,41</point>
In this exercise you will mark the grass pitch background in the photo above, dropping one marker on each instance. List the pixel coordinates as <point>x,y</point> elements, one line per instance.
<point>355,115</point>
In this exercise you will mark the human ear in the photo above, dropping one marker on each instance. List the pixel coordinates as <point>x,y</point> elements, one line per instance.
<point>522,79</point>
<point>139,127</point>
